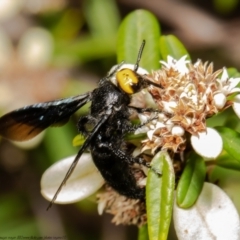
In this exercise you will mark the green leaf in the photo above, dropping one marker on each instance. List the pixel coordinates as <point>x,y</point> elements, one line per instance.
<point>81,50</point>
<point>226,161</point>
<point>68,25</point>
<point>233,72</point>
<point>231,141</point>
<point>138,26</point>
<point>159,196</point>
<point>225,7</point>
<point>143,233</point>
<point>191,181</point>
<point>78,140</point>
<point>98,14</point>
<point>135,138</point>
<point>170,45</point>
<point>64,147</point>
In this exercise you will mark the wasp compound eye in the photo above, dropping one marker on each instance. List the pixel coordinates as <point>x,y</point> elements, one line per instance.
<point>127,80</point>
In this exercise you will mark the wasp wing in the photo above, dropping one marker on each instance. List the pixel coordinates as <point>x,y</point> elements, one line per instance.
<point>27,122</point>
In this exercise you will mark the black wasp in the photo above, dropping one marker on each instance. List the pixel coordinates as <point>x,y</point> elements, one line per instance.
<point>109,118</point>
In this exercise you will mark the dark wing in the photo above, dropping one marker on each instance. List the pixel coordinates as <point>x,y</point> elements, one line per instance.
<point>27,122</point>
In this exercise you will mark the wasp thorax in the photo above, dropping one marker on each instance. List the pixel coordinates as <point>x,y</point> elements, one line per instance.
<point>127,80</point>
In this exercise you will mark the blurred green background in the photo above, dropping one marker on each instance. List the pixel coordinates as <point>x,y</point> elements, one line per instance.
<point>60,48</point>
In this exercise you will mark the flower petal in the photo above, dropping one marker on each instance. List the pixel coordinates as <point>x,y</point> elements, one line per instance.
<point>179,65</point>
<point>178,130</point>
<point>233,82</point>
<point>224,76</point>
<point>212,217</point>
<point>169,106</point>
<point>208,144</point>
<point>236,105</point>
<point>219,100</point>
<point>84,181</point>
<point>150,134</point>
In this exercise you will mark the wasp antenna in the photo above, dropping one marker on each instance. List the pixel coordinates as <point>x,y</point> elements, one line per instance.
<point>139,55</point>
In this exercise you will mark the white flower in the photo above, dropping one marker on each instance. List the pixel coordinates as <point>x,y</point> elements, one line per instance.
<point>213,216</point>
<point>227,86</point>
<point>208,144</point>
<point>84,181</point>
<point>168,106</point>
<point>178,65</point>
<point>220,100</point>
<point>177,130</point>
<point>36,48</point>
<point>189,94</point>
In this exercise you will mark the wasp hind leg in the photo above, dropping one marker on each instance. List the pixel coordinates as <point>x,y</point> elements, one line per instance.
<point>130,159</point>
<point>116,167</point>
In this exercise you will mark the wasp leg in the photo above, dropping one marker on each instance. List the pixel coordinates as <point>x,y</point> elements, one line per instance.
<point>133,128</point>
<point>86,124</point>
<point>128,158</point>
<point>142,110</point>
<point>114,166</point>
<point>151,110</point>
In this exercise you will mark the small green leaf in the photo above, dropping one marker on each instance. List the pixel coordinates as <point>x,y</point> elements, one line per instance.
<point>78,140</point>
<point>226,161</point>
<point>159,196</point>
<point>231,141</point>
<point>132,136</point>
<point>68,25</point>
<point>191,181</point>
<point>138,26</point>
<point>170,45</point>
<point>233,72</point>
<point>143,233</point>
